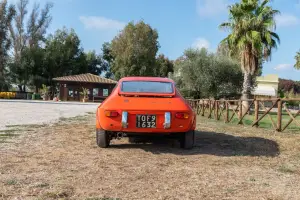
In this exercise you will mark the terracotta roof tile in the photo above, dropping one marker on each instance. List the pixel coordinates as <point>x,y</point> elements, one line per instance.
<point>87,78</point>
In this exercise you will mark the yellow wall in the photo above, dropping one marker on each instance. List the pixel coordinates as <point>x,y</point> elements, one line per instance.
<point>270,80</point>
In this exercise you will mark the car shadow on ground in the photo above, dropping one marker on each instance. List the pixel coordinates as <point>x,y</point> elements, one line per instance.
<point>211,143</point>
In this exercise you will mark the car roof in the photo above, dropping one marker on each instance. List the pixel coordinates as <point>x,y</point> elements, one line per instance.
<point>142,78</point>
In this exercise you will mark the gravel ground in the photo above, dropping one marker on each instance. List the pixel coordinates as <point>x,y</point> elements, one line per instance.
<point>36,112</point>
<point>62,162</point>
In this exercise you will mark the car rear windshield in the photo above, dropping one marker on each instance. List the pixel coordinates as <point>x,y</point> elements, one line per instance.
<point>147,87</point>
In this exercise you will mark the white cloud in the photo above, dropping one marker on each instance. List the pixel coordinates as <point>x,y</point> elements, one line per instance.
<point>286,20</point>
<point>282,67</point>
<point>200,43</point>
<point>101,23</point>
<point>211,7</point>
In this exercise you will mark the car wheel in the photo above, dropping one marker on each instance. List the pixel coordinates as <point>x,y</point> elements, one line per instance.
<point>102,138</point>
<point>188,139</point>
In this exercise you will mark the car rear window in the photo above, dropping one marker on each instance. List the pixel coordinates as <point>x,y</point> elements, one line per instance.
<point>147,87</point>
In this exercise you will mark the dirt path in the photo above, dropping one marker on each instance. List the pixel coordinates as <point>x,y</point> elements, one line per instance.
<point>62,161</point>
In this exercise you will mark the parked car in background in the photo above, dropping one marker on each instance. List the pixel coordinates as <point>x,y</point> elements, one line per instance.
<point>145,106</point>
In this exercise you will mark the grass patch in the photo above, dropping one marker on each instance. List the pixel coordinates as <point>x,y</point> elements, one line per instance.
<point>265,123</point>
<point>90,113</point>
<point>14,126</point>
<point>21,126</point>
<point>73,119</point>
<point>286,169</point>
<point>42,185</point>
<point>11,182</point>
<point>8,135</point>
<point>8,131</point>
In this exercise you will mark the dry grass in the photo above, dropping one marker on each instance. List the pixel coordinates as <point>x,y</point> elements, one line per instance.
<point>62,161</point>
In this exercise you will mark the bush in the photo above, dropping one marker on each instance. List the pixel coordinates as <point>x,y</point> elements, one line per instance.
<point>7,95</point>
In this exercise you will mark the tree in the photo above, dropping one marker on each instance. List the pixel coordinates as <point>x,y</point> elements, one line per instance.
<point>288,86</point>
<point>297,57</point>
<point>108,59</point>
<point>29,70</point>
<point>63,55</point>
<point>134,51</point>
<point>164,66</point>
<point>7,13</point>
<point>27,40</point>
<point>251,24</point>
<point>95,63</point>
<point>200,74</point>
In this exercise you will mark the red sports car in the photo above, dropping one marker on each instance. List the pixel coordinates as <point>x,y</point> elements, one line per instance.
<point>143,106</point>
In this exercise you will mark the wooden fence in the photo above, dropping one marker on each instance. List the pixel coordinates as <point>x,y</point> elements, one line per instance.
<point>253,110</point>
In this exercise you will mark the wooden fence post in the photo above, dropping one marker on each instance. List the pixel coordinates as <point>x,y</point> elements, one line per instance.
<point>240,109</point>
<point>256,104</point>
<point>216,110</point>
<point>209,116</point>
<point>279,116</point>
<point>227,112</point>
<point>203,108</point>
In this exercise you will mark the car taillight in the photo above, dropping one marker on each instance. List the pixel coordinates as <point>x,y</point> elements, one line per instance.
<point>182,115</point>
<point>111,113</point>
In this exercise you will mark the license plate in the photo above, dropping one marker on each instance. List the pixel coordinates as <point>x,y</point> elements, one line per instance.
<point>146,121</point>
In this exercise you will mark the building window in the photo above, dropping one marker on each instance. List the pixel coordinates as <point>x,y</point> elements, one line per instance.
<point>95,92</point>
<point>71,93</point>
<point>105,92</point>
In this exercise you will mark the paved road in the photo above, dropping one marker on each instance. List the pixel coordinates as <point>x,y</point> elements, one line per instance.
<point>17,112</point>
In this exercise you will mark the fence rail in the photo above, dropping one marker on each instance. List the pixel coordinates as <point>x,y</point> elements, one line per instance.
<point>251,112</point>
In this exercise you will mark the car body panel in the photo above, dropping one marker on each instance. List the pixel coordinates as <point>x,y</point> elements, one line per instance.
<point>145,103</point>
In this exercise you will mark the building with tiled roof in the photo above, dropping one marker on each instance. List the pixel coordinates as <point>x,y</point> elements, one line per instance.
<point>71,86</point>
<point>85,78</point>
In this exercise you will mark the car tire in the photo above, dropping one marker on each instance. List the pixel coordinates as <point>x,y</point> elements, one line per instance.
<point>102,138</point>
<point>188,140</point>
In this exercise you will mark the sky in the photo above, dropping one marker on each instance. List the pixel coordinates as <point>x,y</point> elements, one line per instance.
<point>181,24</point>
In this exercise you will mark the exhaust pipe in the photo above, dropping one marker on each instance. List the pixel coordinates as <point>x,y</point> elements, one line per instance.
<point>120,135</point>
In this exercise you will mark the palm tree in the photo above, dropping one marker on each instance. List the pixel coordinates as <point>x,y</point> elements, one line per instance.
<point>297,57</point>
<point>251,24</point>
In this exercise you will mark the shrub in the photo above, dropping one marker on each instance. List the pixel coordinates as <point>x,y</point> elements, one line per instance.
<point>7,95</point>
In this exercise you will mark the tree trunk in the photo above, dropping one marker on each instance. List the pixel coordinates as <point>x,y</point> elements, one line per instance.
<point>246,86</point>
<point>246,92</point>
<point>20,88</point>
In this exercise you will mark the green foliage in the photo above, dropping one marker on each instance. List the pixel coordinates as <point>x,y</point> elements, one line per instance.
<point>134,51</point>
<point>200,74</point>
<point>45,90</point>
<point>251,25</point>
<point>63,55</point>
<point>107,59</point>
<point>297,57</point>
<point>164,66</point>
<point>96,63</point>
<point>30,68</point>
<point>7,13</point>
<point>292,95</point>
<point>27,39</point>
<point>84,92</point>
<point>289,85</point>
